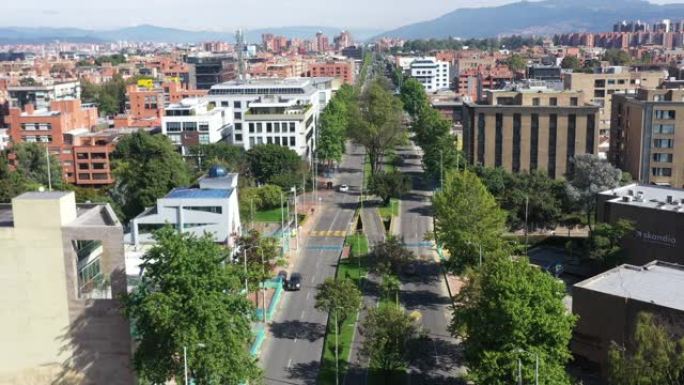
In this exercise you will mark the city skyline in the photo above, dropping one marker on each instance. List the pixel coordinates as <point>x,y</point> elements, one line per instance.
<point>216,15</point>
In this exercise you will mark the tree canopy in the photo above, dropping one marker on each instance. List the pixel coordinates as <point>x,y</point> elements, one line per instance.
<point>467,217</point>
<point>146,167</point>
<point>389,332</point>
<point>270,163</point>
<point>388,185</point>
<point>190,298</point>
<point>338,296</point>
<point>512,310</point>
<point>413,97</point>
<point>333,130</point>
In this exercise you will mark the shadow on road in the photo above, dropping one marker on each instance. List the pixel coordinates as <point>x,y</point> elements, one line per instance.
<point>306,372</point>
<point>297,329</point>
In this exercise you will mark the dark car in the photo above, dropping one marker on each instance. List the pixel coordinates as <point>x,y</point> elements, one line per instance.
<point>555,268</point>
<point>295,282</point>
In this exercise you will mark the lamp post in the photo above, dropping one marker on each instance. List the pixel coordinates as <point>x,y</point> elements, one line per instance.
<point>244,258</point>
<point>185,361</point>
<point>294,191</point>
<point>441,169</point>
<point>536,367</point>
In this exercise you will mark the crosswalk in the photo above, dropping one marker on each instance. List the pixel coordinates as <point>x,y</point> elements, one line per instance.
<point>328,233</point>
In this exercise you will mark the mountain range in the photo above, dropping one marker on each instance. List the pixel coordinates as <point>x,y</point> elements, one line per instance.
<point>537,18</point>
<point>151,33</point>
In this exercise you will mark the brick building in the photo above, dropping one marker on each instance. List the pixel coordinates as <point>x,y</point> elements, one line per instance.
<point>342,70</point>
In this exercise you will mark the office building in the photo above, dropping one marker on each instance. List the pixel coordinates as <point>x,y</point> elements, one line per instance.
<point>528,128</point>
<point>353,52</point>
<point>547,73</point>
<point>61,277</point>
<point>646,135</point>
<point>212,209</point>
<point>601,86</point>
<point>431,73</point>
<point>40,96</point>
<point>212,69</point>
<point>655,212</point>
<point>278,111</point>
<point>608,305</point>
<point>196,121</point>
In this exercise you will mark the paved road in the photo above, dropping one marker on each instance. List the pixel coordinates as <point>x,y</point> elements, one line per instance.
<point>438,360</point>
<point>292,351</point>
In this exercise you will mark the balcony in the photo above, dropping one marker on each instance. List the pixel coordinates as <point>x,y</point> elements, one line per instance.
<point>296,112</point>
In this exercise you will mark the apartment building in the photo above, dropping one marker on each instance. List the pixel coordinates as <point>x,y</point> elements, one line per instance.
<point>61,277</point>
<point>212,209</point>
<point>530,128</point>
<point>431,73</point>
<point>600,87</point>
<point>40,96</point>
<point>53,127</point>
<point>278,111</point>
<point>472,82</point>
<point>342,70</point>
<point>211,69</point>
<point>646,135</point>
<point>196,121</point>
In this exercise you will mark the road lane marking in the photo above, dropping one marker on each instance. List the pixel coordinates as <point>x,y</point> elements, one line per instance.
<point>308,296</point>
<point>289,363</point>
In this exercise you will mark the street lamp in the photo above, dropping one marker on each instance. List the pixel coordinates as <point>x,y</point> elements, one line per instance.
<point>536,367</point>
<point>294,190</point>
<point>185,360</point>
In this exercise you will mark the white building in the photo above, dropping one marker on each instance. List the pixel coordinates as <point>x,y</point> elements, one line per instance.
<point>41,95</point>
<point>212,208</point>
<point>432,73</point>
<point>4,138</point>
<point>277,111</point>
<point>196,121</point>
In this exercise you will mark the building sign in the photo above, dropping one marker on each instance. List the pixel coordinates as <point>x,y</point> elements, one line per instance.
<point>146,83</point>
<point>658,239</point>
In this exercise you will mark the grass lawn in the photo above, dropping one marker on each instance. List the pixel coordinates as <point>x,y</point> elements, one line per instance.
<point>272,215</point>
<point>391,210</point>
<point>352,269</point>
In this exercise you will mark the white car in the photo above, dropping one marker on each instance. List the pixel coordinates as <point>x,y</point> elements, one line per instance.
<point>344,188</point>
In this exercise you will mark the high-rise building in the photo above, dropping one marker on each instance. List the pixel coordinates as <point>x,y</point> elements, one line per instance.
<point>431,73</point>
<point>62,274</point>
<point>322,42</point>
<point>343,40</point>
<point>530,128</point>
<point>646,135</point>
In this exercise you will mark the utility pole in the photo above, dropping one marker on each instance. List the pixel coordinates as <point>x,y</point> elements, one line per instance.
<point>185,364</point>
<point>49,174</point>
<point>294,190</point>
<point>441,169</point>
<point>263,286</point>
<point>337,355</point>
<point>519,372</point>
<point>244,257</point>
<point>536,369</point>
<point>282,223</point>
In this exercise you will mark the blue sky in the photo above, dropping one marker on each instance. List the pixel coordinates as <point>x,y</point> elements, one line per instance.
<point>229,14</point>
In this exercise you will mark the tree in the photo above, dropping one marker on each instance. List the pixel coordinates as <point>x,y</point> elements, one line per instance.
<point>591,176</point>
<point>270,163</point>
<point>32,164</point>
<point>617,57</point>
<point>388,185</point>
<point>652,356</point>
<point>467,218</point>
<point>388,333</point>
<point>146,168</point>
<point>255,247</point>
<point>338,296</point>
<point>442,156</point>
<point>190,298</point>
<point>12,183</point>
<point>390,287</point>
<point>376,123</point>
<point>571,62</point>
<point>604,243</point>
<point>333,131</point>
<point>233,158</point>
<point>516,63</point>
<point>429,127</point>
<point>413,97</point>
<point>505,309</point>
<point>390,256</point>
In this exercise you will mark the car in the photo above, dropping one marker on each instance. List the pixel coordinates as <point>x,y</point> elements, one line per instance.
<point>344,188</point>
<point>295,282</point>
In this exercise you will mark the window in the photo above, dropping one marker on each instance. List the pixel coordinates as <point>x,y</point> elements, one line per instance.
<point>98,166</point>
<point>516,143</point>
<point>534,142</point>
<point>237,104</point>
<point>251,141</point>
<point>260,140</point>
<point>251,128</point>
<point>498,141</point>
<point>663,129</point>
<point>292,127</point>
<point>611,81</point>
<point>83,166</point>
<point>269,140</point>
<point>259,128</point>
<point>662,157</point>
<point>293,141</point>
<point>238,126</point>
<point>599,93</point>
<point>553,101</point>
<point>238,137</point>
<point>591,131</point>
<point>535,101</point>
<point>173,127</point>
<point>206,209</point>
<point>30,139</point>
<point>662,171</point>
<point>189,126</point>
<point>238,115</point>
<point>573,101</point>
<point>665,114</point>
<point>224,104</point>
<point>276,127</point>
<point>663,143</point>
<point>175,139</point>
<point>480,137</point>
<point>269,127</point>
<point>204,127</point>
<point>277,140</point>
<point>600,83</point>
<point>204,139</point>
<point>553,131</point>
